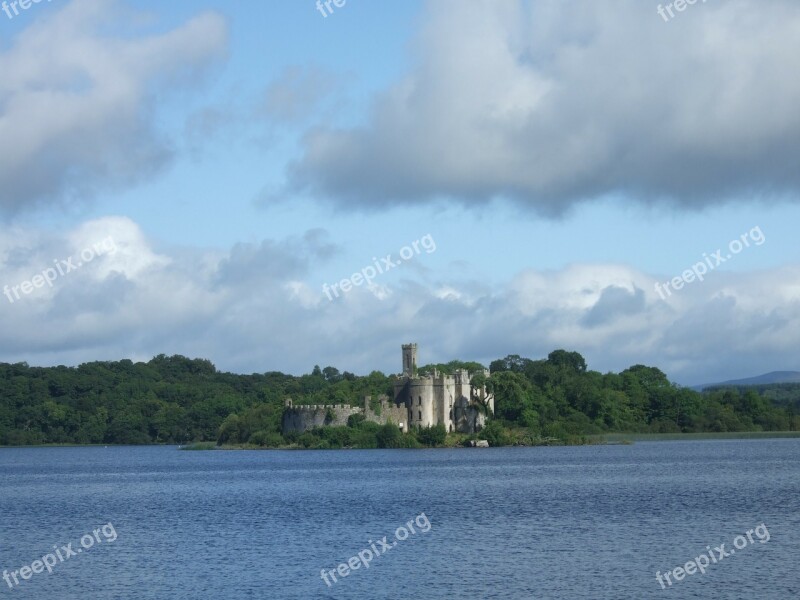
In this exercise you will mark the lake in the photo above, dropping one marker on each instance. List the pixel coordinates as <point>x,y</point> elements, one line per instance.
<point>552,522</point>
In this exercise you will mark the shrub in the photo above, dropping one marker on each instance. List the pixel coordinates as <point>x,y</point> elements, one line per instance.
<point>495,434</point>
<point>356,419</point>
<point>432,436</point>
<point>267,439</point>
<point>364,439</point>
<point>308,440</point>
<point>390,436</point>
<point>337,437</point>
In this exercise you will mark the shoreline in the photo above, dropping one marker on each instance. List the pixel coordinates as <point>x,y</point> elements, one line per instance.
<point>604,439</point>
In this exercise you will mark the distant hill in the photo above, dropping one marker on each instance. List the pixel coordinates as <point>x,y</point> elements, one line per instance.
<point>765,379</point>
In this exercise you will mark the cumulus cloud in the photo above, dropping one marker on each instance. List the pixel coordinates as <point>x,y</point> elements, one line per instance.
<point>77,103</point>
<point>556,102</point>
<point>614,303</point>
<point>121,296</point>
<point>252,308</point>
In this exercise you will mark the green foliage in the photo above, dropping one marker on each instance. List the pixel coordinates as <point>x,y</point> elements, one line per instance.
<point>230,431</point>
<point>495,434</point>
<point>512,362</point>
<point>365,439</point>
<point>451,367</point>
<point>560,398</point>
<point>570,360</point>
<point>308,440</point>
<point>432,436</point>
<point>356,420</point>
<point>266,439</point>
<point>200,446</point>
<point>390,436</point>
<point>177,400</point>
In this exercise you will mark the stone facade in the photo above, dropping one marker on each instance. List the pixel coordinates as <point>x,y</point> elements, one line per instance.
<point>389,413</point>
<point>305,417</point>
<point>439,399</point>
<point>432,399</point>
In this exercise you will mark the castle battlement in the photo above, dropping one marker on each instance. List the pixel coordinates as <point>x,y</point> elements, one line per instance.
<point>314,407</point>
<point>420,400</point>
<point>439,398</point>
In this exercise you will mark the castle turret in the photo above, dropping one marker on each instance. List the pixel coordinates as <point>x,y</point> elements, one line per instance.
<point>410,360</point>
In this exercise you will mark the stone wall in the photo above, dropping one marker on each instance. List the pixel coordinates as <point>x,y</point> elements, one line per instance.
<point>304,417</point>
<point>466,416</point>
<point>389,413</point>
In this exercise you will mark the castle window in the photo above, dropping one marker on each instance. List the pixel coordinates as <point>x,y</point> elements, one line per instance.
<point>420,401</point>
<point>420,415</point>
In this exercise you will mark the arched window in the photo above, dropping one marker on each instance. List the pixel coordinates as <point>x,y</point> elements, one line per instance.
<point>420,415</point>
<point>420,401</point>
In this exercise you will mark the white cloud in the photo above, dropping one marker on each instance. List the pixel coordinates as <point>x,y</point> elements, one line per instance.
<point>252,308</point>
<point>560,101</point>
<point>77,104</point>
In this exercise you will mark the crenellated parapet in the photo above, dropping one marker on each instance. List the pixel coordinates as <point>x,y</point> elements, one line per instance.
<point>303,417</point>
<point>419,400</point>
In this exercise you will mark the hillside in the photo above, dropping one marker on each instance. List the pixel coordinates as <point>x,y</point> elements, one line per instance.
<point>178,400</point>
<point>765,379</point>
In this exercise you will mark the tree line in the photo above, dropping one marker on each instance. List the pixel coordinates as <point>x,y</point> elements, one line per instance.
<point>176,400</point>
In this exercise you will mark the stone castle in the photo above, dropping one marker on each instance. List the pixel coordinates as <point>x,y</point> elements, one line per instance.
<point>419,401</point>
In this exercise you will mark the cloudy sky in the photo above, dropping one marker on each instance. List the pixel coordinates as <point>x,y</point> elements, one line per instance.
<point>512,177</point>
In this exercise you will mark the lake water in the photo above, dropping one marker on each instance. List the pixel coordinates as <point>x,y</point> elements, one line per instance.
<point>581,522</point>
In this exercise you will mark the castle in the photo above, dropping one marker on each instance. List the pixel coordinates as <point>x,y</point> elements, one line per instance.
<point>439,399</point>
<point>419,401</point>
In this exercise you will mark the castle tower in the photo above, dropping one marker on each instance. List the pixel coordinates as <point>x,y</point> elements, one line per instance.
<point>410,360</point>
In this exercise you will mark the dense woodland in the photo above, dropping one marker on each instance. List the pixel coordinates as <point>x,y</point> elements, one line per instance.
<point>174,399</point>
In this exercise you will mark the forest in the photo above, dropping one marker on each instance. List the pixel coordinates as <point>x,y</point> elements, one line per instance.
<point>178,400</point>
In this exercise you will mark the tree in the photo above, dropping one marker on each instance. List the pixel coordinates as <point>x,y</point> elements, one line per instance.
<point>389,436</point>
<point>512,395</point>
<point>512,362</point>
<point>432,436</point>
<point>495,434</point>
<point>485,389</point>
<point>331,375</point>
<point>229,431</point>
<point>571,360</point>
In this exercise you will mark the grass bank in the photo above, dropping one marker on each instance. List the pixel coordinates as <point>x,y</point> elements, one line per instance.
<point>618,438</point>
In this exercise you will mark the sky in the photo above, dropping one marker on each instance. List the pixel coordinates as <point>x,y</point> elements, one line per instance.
<point>279,185</point>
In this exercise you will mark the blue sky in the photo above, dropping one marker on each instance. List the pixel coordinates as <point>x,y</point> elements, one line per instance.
<point>564,157</point>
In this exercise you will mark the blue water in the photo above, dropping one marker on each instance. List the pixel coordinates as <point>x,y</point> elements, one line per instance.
<point>583,522</point>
